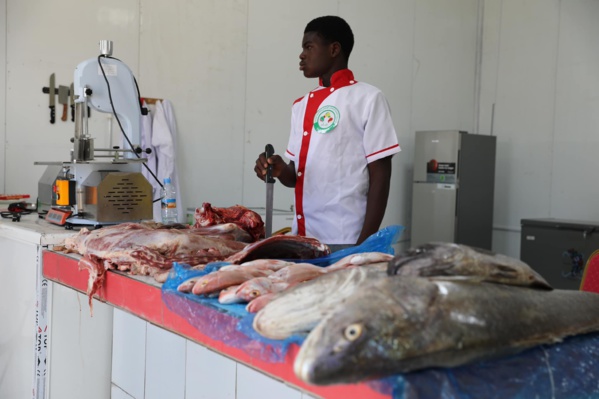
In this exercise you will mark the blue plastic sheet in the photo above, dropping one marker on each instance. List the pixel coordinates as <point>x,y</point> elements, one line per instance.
<point>238,332</point>
<point>567,370</point>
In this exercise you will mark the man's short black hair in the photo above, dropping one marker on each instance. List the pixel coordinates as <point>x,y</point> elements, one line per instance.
<point>333,29</point>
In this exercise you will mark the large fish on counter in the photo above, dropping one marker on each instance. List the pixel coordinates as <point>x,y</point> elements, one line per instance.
<point>400,324</point>
<point>300,308</point>
<point>448,259</point>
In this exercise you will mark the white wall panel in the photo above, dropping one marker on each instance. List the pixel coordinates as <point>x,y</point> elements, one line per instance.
<point>444,61</point>
<point>118,393</point>
<point>574,188</point>
<point>252,384</point>
<point>194,54</point>
<point>208,375</point>
<point>382,56</point>
<point>129,353</point>
<point>274,81</point>
<point>17,312</point>
<point>2,93</point>
<point>524,110</point>
<point>80,346</point>
<point>54,36</point>
<point>165,364</point>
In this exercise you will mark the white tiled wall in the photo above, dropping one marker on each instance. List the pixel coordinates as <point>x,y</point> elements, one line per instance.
<point>118,393</point>
<point>129,353</point>
<point>165,364</point>
<point>252,384</point>
<point>79,346</point>
<point>208,375</point>
<point>149,362</point>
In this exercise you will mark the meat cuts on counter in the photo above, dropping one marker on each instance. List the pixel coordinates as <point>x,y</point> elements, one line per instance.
<point>245,218</point>
<point>145,249</point>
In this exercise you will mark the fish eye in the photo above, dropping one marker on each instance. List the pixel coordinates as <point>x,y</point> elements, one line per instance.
<point>353,332</point>
<point>255,293</point>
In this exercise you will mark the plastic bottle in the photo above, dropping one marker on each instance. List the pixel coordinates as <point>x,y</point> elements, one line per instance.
<point>169,202</point>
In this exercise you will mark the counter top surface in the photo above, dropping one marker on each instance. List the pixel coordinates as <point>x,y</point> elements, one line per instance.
<point>32,229</point>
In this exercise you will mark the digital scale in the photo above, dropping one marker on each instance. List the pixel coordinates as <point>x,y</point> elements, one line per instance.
<point>58,216</point>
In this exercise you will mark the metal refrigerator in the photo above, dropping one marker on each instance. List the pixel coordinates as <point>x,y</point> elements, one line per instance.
<point>453,188</point>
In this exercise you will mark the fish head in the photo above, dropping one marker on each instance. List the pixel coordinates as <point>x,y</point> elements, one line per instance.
<point>364,332</point>
<point>327,353</point>
<point>254,288</point>
<point>427,260</point>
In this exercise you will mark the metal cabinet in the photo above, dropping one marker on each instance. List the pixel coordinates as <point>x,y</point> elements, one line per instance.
<point>558,249</point>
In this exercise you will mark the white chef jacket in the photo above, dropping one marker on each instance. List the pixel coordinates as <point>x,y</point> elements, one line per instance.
<point>159,133</point>
<point>336,132</point>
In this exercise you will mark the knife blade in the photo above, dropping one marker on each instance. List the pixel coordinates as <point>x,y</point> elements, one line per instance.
<point>52,93</point>
<point>270,181</point>
<point>72,101</point>
<point>63,98</point>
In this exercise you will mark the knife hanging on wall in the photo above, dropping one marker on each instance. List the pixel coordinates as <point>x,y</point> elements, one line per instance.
<point>63,99</point>
<point>72,101</point>
<point>52,94</point>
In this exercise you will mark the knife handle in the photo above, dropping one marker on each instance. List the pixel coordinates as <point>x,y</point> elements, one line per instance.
<point>269,152</point>
<point>52,114</point>
<point>64,113</point>
<point>72,112</point>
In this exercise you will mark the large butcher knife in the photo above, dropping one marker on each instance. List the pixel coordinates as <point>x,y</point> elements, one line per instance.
<point>63,98</point>
<point>270,182</point>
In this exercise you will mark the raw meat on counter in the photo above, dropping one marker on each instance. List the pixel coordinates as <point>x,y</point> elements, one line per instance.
<point>245,218</point>
<point>282,247</point>
<point>144,249</point>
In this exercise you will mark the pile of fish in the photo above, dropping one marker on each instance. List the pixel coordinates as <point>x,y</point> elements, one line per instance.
<point>257,281</point>
<point>439,305</point>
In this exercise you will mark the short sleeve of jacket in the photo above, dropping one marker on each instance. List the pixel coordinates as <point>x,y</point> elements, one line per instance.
<point>380,138</point>
<point>295,136</point>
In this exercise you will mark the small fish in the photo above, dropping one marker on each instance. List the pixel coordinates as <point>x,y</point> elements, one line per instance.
<point>214,282</point>
<point>187,285</point>
<point>228,295</point>
<point>400,324</point>
<point>449,260</point>
<point>262,264</point>
<point>259,303</point>
<point>301,307</point>
<point>257,287</point>
<point>360,259</point>
<point>278,281</point>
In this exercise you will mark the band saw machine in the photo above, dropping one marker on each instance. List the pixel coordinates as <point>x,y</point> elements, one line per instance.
<point>100,186</point>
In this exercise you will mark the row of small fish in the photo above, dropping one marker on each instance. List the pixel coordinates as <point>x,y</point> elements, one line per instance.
<point>439,305</point>
<point>261,279</point>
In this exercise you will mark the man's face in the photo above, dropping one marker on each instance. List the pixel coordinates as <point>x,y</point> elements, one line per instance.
<point>315,58</point>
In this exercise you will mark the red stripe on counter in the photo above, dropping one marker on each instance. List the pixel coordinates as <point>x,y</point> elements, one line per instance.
<point>145,301</point>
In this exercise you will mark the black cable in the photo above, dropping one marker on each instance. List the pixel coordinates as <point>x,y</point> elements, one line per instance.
<point>119,122</point>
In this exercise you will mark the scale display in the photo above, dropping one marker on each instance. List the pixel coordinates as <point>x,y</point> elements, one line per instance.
<point>58,216</point>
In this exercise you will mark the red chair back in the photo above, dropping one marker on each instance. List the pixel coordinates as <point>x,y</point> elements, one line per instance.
<point>590,278</point>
